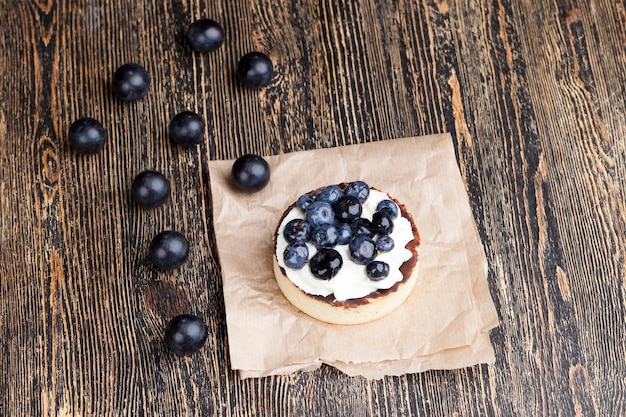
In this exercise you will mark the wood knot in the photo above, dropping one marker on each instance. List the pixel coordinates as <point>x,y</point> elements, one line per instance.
<point>50,170</point>
<point>44,6</point>
<point>581,390</point>
<point>442,6</point>
<point>571,14</point>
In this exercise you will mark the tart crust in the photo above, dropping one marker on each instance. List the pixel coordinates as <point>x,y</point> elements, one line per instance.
<point>354,311</point>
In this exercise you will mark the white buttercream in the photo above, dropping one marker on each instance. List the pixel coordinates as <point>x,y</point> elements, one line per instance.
<point>351,282</point>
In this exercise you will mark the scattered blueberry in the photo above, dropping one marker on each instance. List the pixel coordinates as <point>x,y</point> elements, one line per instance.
<point>359,189</point>
<point>330,194</point>
<point>295,254</point>
<point>185,334</point>
<point>320,212</point>
<point>325,236</point>
<point>186,128</point>
<point>297,229</point>
<point>362,249</point>
<point>385,243</point>
<point>347,208</point>
<point>326,263</point>
<point>389,207</point>
<point>345,233</point>
<point>362,226</point>
<point>169,250</point>
<point>377,270</point>
<point>305,201</point>
<point>205,35</point>
<point>255,70</point>
<point>131,82</point>
<point>382,223</point>
<point>87,135</point>
<point>150,189</point>
<point>250,173</point>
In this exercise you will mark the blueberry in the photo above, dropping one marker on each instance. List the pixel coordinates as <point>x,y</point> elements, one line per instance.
<point>205,35</point>
<point>385,243</point>
<point>87,135</point>
<point>362,249</point>
<point>250,173</point>
<point>150,189</point>
<point>382,223</point>
<point>345,233</point>
<point>255,70</point>
<point>326,263</point>
<point>362,226</point>
<point>325,236</point>
<point>295,254</point>
<point>377,270</point>
<point>320,212</point>
<point>359,189</point>
<point>131,82</point>
<point>185,334</point>
<point>169,250</point>
<point>388,207</point>
<point>186,128</point>
<point>347,208</point>
<point>330,194</point>
<point>305,201</point>
<point>297,229</point>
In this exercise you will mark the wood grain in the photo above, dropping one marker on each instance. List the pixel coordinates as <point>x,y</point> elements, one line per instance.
<point>532,92</point>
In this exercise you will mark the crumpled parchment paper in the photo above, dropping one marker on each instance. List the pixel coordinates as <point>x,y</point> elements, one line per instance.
<point>445,322</point>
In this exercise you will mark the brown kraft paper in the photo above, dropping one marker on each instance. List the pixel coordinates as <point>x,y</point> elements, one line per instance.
<point>445,322</point>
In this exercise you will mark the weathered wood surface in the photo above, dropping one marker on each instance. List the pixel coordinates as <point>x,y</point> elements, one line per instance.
<point>533,93</point>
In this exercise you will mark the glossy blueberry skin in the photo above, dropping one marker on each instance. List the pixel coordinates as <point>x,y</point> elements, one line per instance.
<point>358,189</point>
<point>324,236</point>
<point>385,243</point>
<point>320,212</point>
<point>377,270</point>
<point>150,189</point>
<point>87,135</point>
<point>347,208</point>
<point>131,82</point>
<point>330,194</point>
<point>186,128</point>
<point>389,207</point>
<point>345,233</point>
<point>326,263</point>
<point>205,35</point>
<point>250,173</point>
<point>382,223</point>
<point>362,226</point>
<point>185,334</point>
<point>305,201</point>
<point>296,254</point>
<point>169,250</point>
<point>255,69</point>
<point>362,249</point>
<point>297,229</point>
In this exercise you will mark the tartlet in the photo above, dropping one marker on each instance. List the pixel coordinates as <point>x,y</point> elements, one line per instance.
<point>356,288</point>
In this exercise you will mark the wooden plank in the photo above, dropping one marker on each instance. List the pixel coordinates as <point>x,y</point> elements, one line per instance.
<point>533,93</point>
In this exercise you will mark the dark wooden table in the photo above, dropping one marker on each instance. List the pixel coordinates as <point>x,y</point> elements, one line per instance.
<point>533,94</point>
